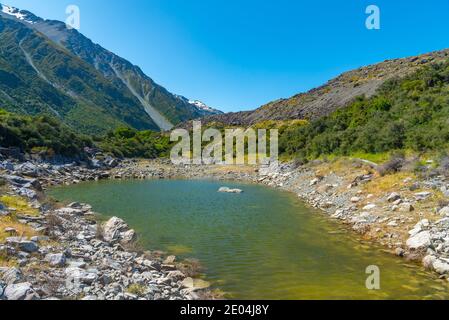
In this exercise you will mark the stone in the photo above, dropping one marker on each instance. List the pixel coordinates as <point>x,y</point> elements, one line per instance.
<point>20,291</point>
<point>38,239</point>
<point>228,190</point>
<point>27,193</point>
<point>441,267</point>
<point>444,212</point>
<point>79,275</point>
<point>56,259</point>
<point>170,260</point>
<point>394,197</point>
<point>114,228</point>
<point>355,199</point>
<point>420,196</point>
<point>399,252</point>
<point>128,237</point>
<point>369,207</point>
<point>406,207</point>
<point>10,231</point>
<point>69,211</point>
<point>420,226</point>
<point>420,241</point>
<point>23,245</point>
<point>195,284</point>
<point>12,276</point>
<point>392,224</point>
<point>428,262</point>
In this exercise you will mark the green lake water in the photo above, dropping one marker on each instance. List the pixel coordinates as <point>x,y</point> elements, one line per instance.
<point>262,244</point>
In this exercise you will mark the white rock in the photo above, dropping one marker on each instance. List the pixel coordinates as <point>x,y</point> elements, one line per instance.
<point>355,199</point>
<point>428,262</point>
<point>20,291</point>
<point>441,267</point>
<point>444,212</point>
<point>369,207</point>
<point>56,259</point>
<point>422,195</point>
<point>406,207</point>
<point>228,190</point>
<point>419,241</point>
<point>394,197</point>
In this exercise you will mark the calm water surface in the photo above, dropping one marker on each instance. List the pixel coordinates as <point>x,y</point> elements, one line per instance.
<point>262,244</point>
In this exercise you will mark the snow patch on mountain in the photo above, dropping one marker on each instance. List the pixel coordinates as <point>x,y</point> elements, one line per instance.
<point>201,105</point>
<point>21,15</point>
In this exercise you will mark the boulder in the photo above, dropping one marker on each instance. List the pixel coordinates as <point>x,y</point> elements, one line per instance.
<point>420,241</point>
<point>6,165</point>
<point>195,284</point>
<point>12,276</point>
<point>355,199</point>
<point>128,236</point>
<point>394,197</point>
<point>116,230</point>
<point>23,245</point>
<point>428,262</point>
<point>369,207</point>
<point>444,212</point>
<point>420,196</point>
<point>22,182</point>
<point>20,291</point>
<point>78,275</point>
<point>406,207</point>
<point>441,267</point>
<point>56,259</point>
<point>27,193</point>
<point>228,190</point>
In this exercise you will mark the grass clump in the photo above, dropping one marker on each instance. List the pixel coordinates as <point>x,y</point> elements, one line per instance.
<point>19,205</point>
<point>21,229</point>
<point>136,289</point>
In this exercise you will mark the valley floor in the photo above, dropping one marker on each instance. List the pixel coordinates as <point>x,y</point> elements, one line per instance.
<point>50,251</point>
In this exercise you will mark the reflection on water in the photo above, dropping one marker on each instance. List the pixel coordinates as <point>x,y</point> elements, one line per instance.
<point>262,244</point>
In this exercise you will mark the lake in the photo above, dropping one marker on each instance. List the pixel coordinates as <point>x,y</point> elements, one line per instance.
<point>261,244</point>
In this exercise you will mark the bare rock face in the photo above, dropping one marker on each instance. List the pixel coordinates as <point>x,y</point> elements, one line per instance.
<point>116,230</point>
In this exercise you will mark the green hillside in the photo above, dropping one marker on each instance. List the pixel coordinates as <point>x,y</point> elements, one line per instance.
<point>410,113</point>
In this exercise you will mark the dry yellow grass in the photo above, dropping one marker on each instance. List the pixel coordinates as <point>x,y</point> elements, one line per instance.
<point>20,205</point>
<point>389,183</point>
<point>11,222</point>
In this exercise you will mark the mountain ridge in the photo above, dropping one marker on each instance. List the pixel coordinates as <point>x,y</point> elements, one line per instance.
<point>334,94</point>
<point>163,108</point>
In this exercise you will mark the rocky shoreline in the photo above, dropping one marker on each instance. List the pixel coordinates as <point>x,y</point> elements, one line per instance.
<point>53,252</point>
<point>70,255</point>
<point>406,214</point>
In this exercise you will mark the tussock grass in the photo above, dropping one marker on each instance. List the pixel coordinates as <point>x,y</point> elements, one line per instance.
<point>19,204</point>
<point>388,183</point>
<point>22,229</point>
<point>136,289</point>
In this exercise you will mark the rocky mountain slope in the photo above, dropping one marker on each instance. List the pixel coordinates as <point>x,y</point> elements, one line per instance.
<point>334,94</point>
<point>47,68</point>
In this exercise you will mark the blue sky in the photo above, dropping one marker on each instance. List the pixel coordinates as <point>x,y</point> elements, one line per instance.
<point>240,54</point>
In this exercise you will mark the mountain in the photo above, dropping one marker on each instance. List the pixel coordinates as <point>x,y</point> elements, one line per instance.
<point>334,94</point>
<point>46,68</point>
<point>202,107</point>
